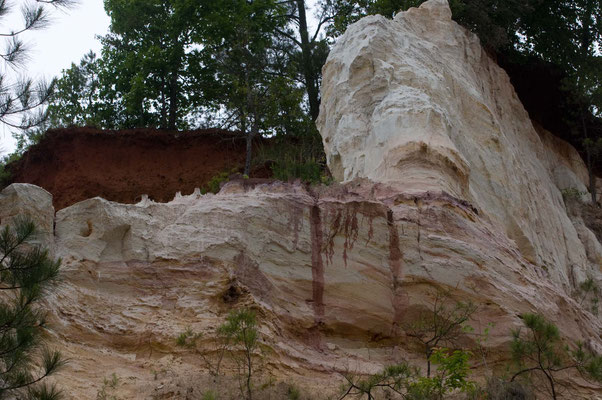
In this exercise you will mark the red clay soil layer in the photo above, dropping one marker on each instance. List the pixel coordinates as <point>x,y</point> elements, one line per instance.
<point>75,164</point>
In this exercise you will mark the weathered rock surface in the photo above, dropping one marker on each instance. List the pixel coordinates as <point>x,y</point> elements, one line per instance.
<point>31,201</point>
<point>446,183</point>
<point>415,102</point>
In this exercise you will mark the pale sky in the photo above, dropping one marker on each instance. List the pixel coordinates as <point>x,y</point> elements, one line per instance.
<point>70,35</point>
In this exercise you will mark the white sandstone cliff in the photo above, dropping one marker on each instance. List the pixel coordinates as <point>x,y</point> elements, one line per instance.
<point>446,183</point>
<point>416,103</point>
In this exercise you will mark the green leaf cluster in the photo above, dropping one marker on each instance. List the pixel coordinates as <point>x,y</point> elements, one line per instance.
<point>451,376</point>
<point>26,274</point>
<point>241,334</point>
<point>240,329</point>
<point>453,370</point>
<point>539,352</point>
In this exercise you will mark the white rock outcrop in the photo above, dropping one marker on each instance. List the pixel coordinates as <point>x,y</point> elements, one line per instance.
<point>25,200</point>
<point>416,103</point>
<point>445,184</point>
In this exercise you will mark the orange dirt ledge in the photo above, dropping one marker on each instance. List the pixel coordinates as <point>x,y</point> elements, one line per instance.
<point>75,164</point>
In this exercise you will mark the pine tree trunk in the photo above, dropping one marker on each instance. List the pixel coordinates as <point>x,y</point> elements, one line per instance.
<point>308,70</point>
<point>173,101</point>
<point>163,123</point>
<point>589,162</point>
<point>249,372</point>
<point>429,352</point>
<point>250,136</point>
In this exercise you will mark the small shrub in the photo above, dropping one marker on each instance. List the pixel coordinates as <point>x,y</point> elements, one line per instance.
<point>107,391</point>
<point>589,289</point>
<point>296,158</point>
<point>293,393</point>
<point>5,174</point>
<point>398,378</point>
<point>451,376</point>
<point>240,331</point>
<point>214,184</point>
<point>540,353</point>
<point>572,193</point>
<point>443,324</point>
<point>187,338</point>
<point>209,395</point>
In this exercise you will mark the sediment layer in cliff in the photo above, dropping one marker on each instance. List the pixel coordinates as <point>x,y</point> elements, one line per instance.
<point>76,164</point>
<point>444,182</point>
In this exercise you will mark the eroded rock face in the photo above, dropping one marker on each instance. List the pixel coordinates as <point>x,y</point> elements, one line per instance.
<point>25,200</point>
<point>416,103</point>
<point>335,273</point>
<point>445,184</point>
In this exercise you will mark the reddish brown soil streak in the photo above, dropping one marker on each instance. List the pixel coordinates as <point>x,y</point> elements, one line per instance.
<point>317,271</point>
<point>395,260</point>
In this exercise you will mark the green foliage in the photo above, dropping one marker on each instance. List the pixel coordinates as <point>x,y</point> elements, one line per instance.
<point>149,53</point>
<point>293,393</point>
<point>181,63</point>
<point>589,289</point>
<point>44,392</point>
<point>253,84</point>
<point>398,378</point>
<point>77,99</point>
<point>543,343</point>
<point>214,184</point>
<point>494,22</point>
<point>442,324</point>
<point>568,33</point>
<point>346,12</point>
<point>240,332</point>
<point>308,171</point>
<point>451,375</point>
<point>572,193</point>
<point>27,273</point>
<point>109,386</point>
<point>540,353</point>
<point>546,28</point>
<point>5,174</point>
<point>593,145</point>
<point>293,158</point>
<point>188,338</point>
<point>481,340</point>
<point>241,329</point>
<point>21,98</point>
<point>209,395</point>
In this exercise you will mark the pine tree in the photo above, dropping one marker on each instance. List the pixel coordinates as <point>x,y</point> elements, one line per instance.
<point>539,352</point>
<point>26,274</point>
<point>240,330</point>
<point>22,97</point>
<point>243,66</point>
<point>444,323</point>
